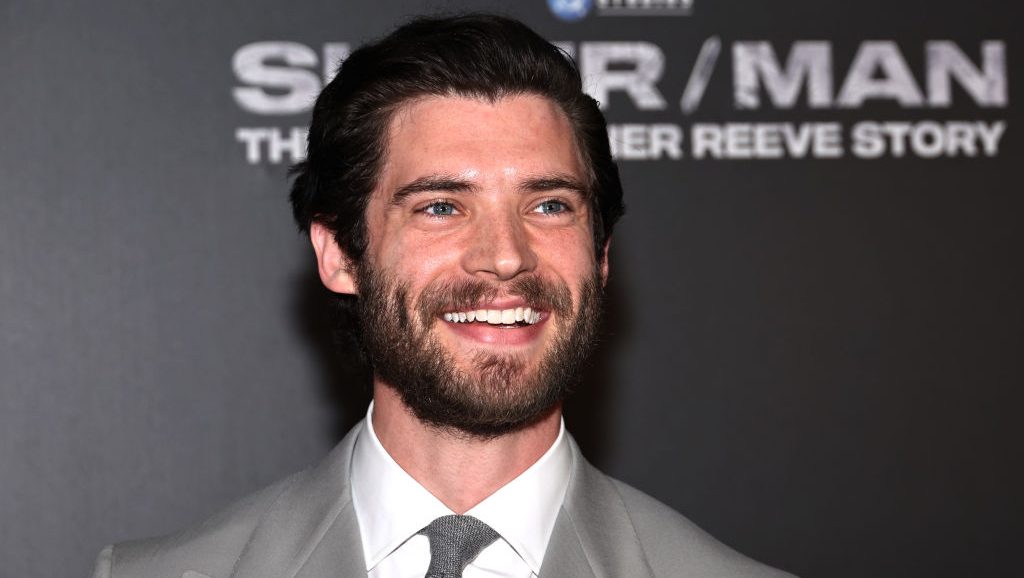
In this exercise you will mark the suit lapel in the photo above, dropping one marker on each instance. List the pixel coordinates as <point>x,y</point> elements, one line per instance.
<point>565,555</point>
<point>311,529</point>
<point>593,534</point>
<point>339,553</point>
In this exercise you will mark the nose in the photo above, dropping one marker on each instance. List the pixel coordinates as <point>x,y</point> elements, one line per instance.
<point>500,249</point>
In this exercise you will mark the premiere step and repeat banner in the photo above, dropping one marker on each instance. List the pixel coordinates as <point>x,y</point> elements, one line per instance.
<point>814,338</point>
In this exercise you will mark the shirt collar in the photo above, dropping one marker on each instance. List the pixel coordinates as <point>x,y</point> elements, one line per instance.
<point>524,510</point>
<point>391,506</point>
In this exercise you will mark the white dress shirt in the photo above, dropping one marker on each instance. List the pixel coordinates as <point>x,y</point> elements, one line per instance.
<point>392,507</point>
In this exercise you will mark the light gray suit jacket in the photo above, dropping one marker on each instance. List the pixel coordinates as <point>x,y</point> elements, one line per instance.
<point>305,527</point>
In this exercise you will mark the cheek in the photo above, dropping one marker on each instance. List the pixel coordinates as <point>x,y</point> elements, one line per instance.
<point>415,259</point>
<point>569,252</point>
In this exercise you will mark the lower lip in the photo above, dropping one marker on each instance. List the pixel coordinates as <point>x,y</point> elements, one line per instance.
<point>497,334</point>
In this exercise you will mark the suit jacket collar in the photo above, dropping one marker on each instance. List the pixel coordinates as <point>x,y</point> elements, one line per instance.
<point>593,535</point>
<point>311,528</point>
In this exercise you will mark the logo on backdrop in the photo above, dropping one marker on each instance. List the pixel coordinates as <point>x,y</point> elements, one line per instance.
<point>570,10</point>
<point>573,10</point>
<point>791,100</point>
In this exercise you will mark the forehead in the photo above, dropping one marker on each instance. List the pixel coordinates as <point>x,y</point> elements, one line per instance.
<point>517,135</point>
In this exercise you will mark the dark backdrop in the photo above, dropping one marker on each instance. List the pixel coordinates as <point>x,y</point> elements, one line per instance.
<point>815,352</point>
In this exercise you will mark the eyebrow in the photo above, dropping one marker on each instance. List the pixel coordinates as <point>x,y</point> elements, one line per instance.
<point>554,182</point>
<point>429,183</point>
<point>455,184</point>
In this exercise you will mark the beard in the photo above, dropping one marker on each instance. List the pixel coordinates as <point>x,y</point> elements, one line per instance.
<point>501,392</point>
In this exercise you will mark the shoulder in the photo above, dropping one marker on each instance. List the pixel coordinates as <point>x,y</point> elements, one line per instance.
<point>626,532</point>
<point>671,542</point>
<point>253,530</point>
<point>210,547</point>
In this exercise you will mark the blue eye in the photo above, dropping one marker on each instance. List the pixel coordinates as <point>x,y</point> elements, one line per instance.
<point>551,207</point>
<point>440,209</point>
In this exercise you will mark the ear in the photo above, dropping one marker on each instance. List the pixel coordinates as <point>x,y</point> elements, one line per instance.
<point>603,263</point>
<point>336,271</point>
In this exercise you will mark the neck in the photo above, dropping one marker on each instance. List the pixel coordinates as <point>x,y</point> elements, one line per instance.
<point>459,470</point>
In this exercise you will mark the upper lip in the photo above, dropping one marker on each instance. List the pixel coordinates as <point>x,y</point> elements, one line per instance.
<point>500,303</point>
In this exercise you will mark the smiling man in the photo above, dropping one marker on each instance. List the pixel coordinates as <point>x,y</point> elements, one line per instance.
<point>479,284</point>
<point>460,196</point>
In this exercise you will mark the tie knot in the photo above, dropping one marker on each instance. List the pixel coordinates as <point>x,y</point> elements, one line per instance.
<point>454,542</point>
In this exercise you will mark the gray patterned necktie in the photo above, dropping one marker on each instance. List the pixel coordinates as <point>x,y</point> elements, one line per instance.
<point>454,542</point>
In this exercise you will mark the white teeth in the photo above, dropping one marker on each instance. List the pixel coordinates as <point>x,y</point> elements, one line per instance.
<point>495,316</point>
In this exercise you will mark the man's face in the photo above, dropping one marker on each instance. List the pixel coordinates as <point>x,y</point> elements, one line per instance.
<point>480,289</point>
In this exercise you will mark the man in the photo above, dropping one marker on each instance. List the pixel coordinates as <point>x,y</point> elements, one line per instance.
<point>460,195</point>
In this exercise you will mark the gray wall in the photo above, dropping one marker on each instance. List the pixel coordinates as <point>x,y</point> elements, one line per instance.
<point>817,359</point>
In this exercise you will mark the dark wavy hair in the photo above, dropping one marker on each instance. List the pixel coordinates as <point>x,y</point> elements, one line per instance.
<point>476,55</point>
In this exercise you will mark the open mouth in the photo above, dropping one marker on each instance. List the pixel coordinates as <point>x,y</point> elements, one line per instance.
<point>519,316</point>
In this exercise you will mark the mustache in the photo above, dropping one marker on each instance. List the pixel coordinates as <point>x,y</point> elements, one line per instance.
<point>470,293</point>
